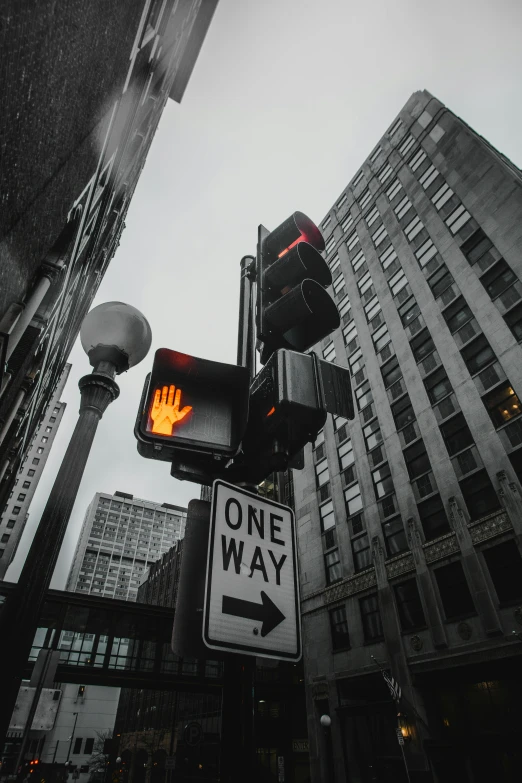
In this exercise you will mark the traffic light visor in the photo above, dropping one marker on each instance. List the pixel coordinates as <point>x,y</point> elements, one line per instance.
<point>304,315</point>
<point>295,229</point>
<point>194,403</point>
<point>301,262</point>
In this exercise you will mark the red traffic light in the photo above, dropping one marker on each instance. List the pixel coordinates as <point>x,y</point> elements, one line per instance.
<point>297,228</point>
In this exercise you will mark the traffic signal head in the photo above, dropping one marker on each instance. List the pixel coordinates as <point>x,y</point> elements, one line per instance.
<point>293,308</point>
<point>192,406</point>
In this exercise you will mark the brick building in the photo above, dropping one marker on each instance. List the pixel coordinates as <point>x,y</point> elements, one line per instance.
<point>83,88</point>
<point>410,517</point>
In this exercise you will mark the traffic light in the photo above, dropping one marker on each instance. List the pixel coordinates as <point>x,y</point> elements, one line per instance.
<point>293,308</point>
<point>289,400</point>
<point>193,412</point>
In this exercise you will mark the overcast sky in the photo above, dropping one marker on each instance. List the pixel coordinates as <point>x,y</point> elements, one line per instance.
<point>286,100</point>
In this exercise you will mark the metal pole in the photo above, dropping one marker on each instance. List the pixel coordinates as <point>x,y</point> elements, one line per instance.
<point>405,764</point>
<point>245,337</point>
<point>23,607</point>
<point>72,738</point>
<point>33,707</point>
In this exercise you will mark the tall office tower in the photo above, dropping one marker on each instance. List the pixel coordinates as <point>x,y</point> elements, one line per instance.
<point>120,538</point>
<point>410,517</point>
<point>81,101</point>
<point>16,510</point>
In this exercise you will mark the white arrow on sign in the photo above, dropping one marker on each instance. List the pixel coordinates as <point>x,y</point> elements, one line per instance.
<point>252,591</point>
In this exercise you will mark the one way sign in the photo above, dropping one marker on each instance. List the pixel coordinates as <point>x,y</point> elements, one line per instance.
<point>252,591</point>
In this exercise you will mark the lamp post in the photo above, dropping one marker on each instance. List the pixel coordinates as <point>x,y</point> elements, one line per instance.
<point>115,337</point>
<point>326,723</point>
<point>69,760</point>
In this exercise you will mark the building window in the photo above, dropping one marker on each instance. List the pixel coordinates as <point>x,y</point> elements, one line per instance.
<point>379,236</point>
<point>438,385</point>
<point>327,516</point>
<point>372,216</point>
<point>31,473</point>
<point>477,354</point>
<point>413,228</point>
<point>347,222</point>
<point>372,435</point>
<point>329,353</point>
<point>498,280</point>
<point>371,618</point>
<point>11,523</point>
<point>332,564</point>
<point>21,496</point>
<point>352,241</point>
<point>442,195</point>
<point>384,173</point>
<point>402,412</point>
<point>321,472</point>
<point>395,127</point>
<point>458,218</point>
<point>358,178</point>
<point>342,201</point>
<point>457,435</point>
<point>16,510</point>
<point>403,207</point>
<point>394,536</point>
<point>339,628</point>
<point>89,745</point>
<point>358,260</point>
<point>417,460</point>
<point>26,484</point>
<point>382,481</point>
<point>502,404</point>
<point>48,429</point>
<point>417,159</point>
<point>428,176</point>
<point>433,518</point>
<point>353,498</point>
<point>365,198</point>
<point>362,556</point>
<point>36,461</point>
<point>479,494</point>
<point>394,188</point>
<point>406,145</point>
<point>346,455</point>
<point>505,567</point>
<point>479,250</point>
<point>326,222</point>
<point>77,745</point>
<point>454,591</point>
<point>330,245</point>
<point>5,538</point>
<point>411,613</point>
<point>425,253</point>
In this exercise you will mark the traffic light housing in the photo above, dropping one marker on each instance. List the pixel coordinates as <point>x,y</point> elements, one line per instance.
<point>192,410</point>
<point>294,310</point>
<point>289,400</point>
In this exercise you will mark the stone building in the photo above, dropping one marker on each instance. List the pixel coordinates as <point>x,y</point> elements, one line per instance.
<point>16,511</point>
<point>410,517</point>
<point>83,91</point>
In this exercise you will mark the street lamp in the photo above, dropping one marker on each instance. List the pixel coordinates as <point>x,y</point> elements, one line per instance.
<point>116,337</point>
<point>326,723</point>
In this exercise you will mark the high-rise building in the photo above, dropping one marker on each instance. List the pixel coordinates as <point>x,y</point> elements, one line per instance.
<point>121,537</point>
<point>410,517</point>
<point>81,101</point>
<point>16,510</point>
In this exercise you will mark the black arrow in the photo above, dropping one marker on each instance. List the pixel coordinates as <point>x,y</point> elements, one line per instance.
<point>267,612</point>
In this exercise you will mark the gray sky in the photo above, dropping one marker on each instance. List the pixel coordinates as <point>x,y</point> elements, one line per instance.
<point>287,98</point>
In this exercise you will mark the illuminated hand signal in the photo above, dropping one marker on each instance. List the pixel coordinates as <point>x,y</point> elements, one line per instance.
<point>165,412</point>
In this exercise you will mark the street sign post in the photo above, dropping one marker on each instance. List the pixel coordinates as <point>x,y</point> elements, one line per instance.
<point>252,591</point>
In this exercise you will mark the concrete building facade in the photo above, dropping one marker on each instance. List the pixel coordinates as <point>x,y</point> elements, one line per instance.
<point>121,537</point>
<point>410,517</point>
<point>84,89</point>
<point>16,510</point>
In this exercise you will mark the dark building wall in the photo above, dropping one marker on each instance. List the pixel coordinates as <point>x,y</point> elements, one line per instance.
<point>83,89</point>
<point>408,515</point>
